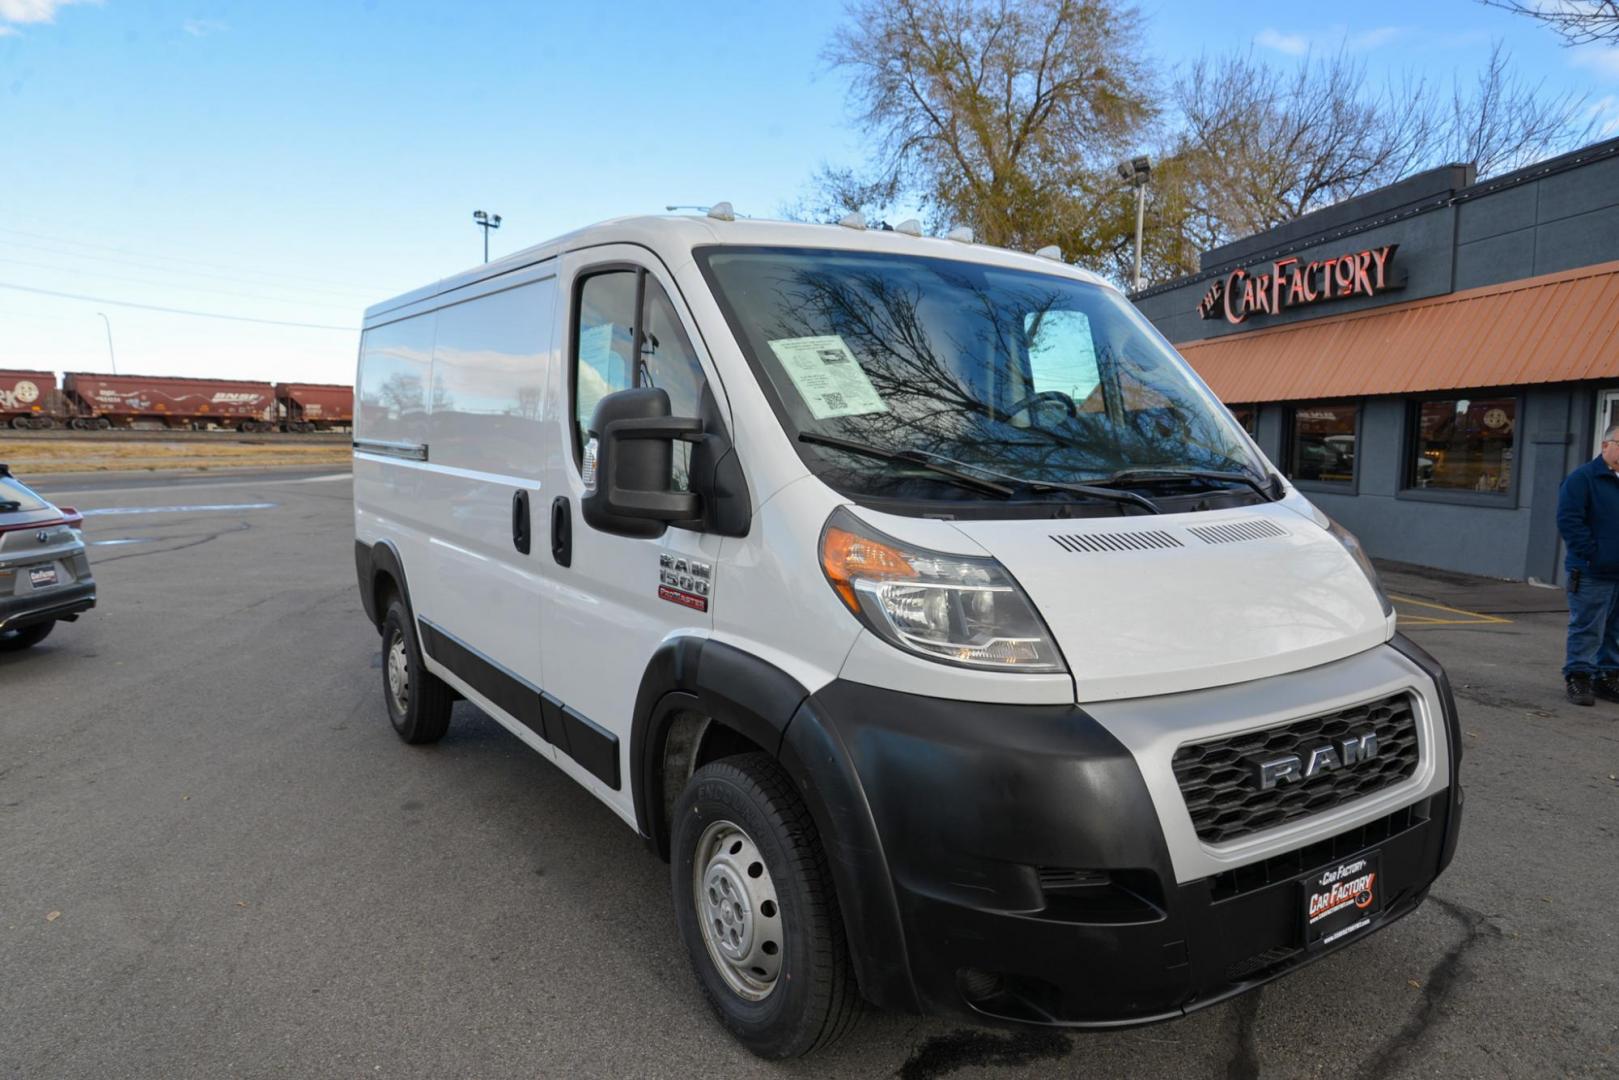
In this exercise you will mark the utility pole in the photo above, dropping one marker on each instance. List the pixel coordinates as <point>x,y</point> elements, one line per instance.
<point>112,357</point>
<point>1135,172</point>
<point>486,221</point>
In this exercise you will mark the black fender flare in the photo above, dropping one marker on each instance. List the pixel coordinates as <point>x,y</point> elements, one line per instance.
<point>370,563</point>
<point>773,710</point>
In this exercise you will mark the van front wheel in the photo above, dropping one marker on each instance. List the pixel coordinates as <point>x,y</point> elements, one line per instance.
<point>418,701</point>
<point>754,899</point>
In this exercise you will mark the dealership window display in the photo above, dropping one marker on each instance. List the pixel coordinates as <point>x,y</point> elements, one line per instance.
<point>1324,443</point>
<point>1464,444</point>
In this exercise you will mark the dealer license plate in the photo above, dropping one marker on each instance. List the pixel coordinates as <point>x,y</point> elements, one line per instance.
<point>40,576</point>
<point>1341,899</point>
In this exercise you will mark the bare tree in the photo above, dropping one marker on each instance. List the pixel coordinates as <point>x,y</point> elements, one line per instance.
<point>1258,147</point>
<point>999,115</point>
<point>1577,22</point>
<point>1261,147</point>
<point>1505,123</point>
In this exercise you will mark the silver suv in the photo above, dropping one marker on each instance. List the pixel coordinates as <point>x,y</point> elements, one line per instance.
<point>44,572</point>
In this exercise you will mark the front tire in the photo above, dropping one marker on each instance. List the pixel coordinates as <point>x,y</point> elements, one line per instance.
<point>26,638</point>
<point>418,701</point>
<point>757,909</point>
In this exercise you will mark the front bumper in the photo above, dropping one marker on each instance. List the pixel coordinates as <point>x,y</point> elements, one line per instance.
<point>17,612</point>
<point>1019,855</point>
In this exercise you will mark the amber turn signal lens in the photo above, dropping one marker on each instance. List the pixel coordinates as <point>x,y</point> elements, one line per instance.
<point>846,556</point>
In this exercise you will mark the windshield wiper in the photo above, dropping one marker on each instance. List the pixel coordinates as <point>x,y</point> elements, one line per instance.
<point>953,469</point>
<point>1153,473</point>
<point>8,505</point>
<point>910,457</point>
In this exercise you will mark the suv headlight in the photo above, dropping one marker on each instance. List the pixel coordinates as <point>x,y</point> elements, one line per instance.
<point>955,609</point>
<point>1358,553</point>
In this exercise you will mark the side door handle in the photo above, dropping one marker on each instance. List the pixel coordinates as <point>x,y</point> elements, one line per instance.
<point>562,531</point>
<point>521,531</point>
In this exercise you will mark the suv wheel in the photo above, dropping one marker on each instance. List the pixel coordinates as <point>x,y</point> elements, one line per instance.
<point>418,701</point>
<point>754,899</point>
<point>25,638</point>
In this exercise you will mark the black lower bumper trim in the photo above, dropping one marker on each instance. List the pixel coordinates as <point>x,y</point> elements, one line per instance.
<point>16,614</point>
<point>1031,883</point>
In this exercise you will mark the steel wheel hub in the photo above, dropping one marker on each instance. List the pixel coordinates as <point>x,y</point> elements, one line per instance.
<point>398,673</point>
<point>738,910</point>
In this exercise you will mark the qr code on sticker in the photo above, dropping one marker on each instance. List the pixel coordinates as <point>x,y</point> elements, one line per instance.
<point>833,356</point>
<point>834,401</point>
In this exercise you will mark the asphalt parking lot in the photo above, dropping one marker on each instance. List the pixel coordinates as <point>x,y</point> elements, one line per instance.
<point>217,860</point>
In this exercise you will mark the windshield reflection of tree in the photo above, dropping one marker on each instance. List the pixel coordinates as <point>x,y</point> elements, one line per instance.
<point>952,365</point>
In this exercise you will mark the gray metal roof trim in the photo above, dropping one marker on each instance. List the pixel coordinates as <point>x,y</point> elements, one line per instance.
<point>1419,187</point>
<point>1313,240</point>
<point>1540,170</point>
<point>1574,159</point>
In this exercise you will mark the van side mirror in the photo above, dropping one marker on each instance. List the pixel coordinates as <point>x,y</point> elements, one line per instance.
<point>629,455</point>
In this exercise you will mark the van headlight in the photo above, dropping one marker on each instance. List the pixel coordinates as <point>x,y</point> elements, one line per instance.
<point>1352,545</point>
<point>955,609</point>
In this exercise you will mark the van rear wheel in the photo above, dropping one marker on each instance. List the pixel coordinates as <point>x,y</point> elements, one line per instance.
<point>418,701</point>
<point>757,910</point>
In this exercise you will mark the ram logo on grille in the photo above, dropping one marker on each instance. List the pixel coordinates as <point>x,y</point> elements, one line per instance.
<point>1293,768</point>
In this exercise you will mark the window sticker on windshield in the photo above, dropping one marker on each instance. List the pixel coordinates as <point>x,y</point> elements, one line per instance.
<point>828,377</point>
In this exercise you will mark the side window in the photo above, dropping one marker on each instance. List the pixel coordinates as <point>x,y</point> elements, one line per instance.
<point>607,359</point>
<point>604,353</point>
<point>668,361</point>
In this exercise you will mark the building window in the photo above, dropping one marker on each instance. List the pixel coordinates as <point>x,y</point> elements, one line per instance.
<point>1247,416</point>
<point>1464,444</point>
<point>1324,442</point>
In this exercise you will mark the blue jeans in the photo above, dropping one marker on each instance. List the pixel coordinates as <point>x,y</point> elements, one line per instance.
<point>1593,628</point>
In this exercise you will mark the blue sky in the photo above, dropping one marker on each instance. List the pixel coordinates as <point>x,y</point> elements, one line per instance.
<point>300,159</point>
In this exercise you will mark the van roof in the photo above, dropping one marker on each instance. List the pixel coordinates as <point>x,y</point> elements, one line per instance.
<point>673,236</point>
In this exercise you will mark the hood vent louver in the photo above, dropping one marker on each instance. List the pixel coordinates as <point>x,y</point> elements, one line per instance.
<point>1235,532</point>
<point>1116,541</point>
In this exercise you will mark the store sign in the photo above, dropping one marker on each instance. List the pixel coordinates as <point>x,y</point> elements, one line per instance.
<point>1292,283</point>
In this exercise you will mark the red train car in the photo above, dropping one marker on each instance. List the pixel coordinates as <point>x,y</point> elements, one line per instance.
<point>28,399</point>
<point>314,406</point>
<point>153,401</point>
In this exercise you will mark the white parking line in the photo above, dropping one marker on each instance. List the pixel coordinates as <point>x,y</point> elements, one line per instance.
<point>69,496</point>
<point>202,509</point>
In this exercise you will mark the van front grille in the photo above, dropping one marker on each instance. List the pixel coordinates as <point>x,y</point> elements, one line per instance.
<point>1219,782</point>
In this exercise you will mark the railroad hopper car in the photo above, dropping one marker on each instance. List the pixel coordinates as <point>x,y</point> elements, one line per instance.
<point>29,400</point>
<point>151,401</point>
<point>314,406</point>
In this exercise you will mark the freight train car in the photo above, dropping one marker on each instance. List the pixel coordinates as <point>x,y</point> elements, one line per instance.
<point>29,400</point>
<point>150,401</point>
<point>314,406</point>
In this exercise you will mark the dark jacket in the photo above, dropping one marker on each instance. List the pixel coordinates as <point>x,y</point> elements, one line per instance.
<point>1588,518</point>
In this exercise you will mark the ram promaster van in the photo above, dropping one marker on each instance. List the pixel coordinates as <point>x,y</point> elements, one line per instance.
<point>916,602</point>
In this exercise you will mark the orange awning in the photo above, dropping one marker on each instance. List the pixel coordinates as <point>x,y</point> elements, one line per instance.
<point>1553,328</point>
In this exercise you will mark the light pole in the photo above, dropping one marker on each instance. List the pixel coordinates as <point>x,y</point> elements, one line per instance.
<point>112,357</point>
<point>486,221</point>
<point>1135,172</point>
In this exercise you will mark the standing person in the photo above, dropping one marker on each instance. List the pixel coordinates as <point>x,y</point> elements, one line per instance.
<point>1588,518</point>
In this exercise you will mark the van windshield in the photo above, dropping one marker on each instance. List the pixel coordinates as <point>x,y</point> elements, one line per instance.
<point>1020,376</point>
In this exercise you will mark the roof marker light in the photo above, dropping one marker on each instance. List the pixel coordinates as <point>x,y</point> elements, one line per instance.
<point>1050,251</point>
<point>721,211</point>
<point>856,220</point>
<point>910,227</point>
<point>961,234</point>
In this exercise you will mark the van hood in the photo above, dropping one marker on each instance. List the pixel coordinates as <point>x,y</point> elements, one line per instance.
<point>1144,606</point>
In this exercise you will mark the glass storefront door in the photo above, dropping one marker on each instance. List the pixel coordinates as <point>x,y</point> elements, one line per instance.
<point>1607,417</point>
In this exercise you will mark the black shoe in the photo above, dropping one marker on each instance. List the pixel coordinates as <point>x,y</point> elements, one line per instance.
<point>1606,686</point>
<point>1579,690</point>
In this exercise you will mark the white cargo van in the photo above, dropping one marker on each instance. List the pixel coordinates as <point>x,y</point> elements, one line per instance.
<point>916,601</point>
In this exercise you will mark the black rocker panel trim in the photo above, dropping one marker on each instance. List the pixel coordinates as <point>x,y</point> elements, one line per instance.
<point>587,742</point>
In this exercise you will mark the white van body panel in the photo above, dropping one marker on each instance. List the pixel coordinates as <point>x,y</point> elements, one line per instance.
<point>1208,611</point>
